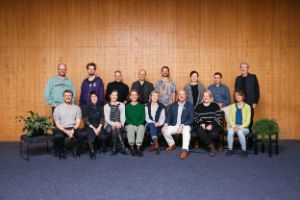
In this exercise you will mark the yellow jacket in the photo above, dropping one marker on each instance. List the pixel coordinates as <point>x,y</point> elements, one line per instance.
<point>246,113</point>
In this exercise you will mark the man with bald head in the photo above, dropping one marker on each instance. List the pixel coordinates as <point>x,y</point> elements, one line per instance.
<point>179,121</point>
<point>143,87</point>
<point>57,85</point>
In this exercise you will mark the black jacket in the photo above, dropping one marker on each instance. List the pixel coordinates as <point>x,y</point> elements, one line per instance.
<point>252,88</point>
<point>148,88</point>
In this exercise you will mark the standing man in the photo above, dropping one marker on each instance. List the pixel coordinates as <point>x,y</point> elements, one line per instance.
<point>119,86</point>
<point>67,118</point>
<point>143,87</point>
<point>248,83</point>
<point>57,85</point>
<point>166,88</point>
<point>179,120</point>
<point>92,83</point>
<point>220,92</point>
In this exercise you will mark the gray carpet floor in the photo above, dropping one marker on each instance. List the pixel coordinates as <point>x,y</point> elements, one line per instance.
<point>154,177</point>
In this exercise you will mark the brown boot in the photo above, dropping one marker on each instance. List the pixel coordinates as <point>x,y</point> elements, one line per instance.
<point>156,145</point>
<point>151,148</point>
<point>212,150</point>
<point>197,144</point>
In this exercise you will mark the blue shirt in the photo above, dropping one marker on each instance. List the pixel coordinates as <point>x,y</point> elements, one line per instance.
<point>221,93</point>
<point>238,116</point>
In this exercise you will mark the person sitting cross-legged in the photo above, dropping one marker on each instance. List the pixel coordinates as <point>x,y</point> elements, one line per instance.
<point>155,118</point>
<point>114,113</point>
<point>179,120</point>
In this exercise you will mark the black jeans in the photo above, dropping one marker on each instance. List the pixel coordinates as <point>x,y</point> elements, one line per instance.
<point>208,137</point>
<point>59,139</point>
<point>91,136</point>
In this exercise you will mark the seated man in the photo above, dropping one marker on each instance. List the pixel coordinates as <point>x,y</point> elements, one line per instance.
<point>67,118</point>
<point>179,120</point>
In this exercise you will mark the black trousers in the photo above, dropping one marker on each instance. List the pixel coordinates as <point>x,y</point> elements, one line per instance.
<point>59,139</point>
<point>208,137</point>
<point>251,119</point>
<point>91,136</point>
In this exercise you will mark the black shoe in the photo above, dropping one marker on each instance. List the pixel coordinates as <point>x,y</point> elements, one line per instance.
<point>124,151</point>
<point>92,155</point>
<point>132,151</point>
<point>76,154</point>
<point>113,152</point>
<point>229,153</point>
<point>139,152</point>
<point>102,150</point>
<point>244,154</point>
<point>61,156</point>
<point>54,153</point>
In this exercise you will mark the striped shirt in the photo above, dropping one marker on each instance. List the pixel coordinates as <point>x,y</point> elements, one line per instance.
<point>208,115</point>
<point>114,114</point>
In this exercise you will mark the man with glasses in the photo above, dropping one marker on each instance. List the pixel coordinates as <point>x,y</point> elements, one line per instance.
<point>67,117</point>
<point>57,85</point>
<point>143,87</point>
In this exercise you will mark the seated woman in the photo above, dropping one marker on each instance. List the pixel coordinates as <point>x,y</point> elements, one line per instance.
<point>155,118</point>
<point>135,118</point>
<point>239,120</point>
<point>93,117</point>
<point>207,121</point>
<point>114,113</point>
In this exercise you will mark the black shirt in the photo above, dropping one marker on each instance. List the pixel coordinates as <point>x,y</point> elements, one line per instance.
<point>93,115</point>
<point>122,89</point>
<point>195,93</point>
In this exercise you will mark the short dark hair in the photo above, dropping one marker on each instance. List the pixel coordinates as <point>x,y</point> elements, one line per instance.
<point>241,93</point>
<point>165,67</point>
<point>94,93</point>
<point>68,91</point>
<point>91,64</point>
<point>194,72</point>
<point>218,73</point>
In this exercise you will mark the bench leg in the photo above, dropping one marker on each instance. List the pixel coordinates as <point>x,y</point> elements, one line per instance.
<point>27,151</point>
<point>270,145</point>
<point>47,146</point>
<point>276,144</point>
<point>255,145</point>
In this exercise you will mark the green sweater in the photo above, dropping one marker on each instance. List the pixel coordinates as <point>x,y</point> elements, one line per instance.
<point>246,113</point>
<point>135,114</point>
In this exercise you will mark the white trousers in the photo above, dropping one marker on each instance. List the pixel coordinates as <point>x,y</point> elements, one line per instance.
<point>186,135</point>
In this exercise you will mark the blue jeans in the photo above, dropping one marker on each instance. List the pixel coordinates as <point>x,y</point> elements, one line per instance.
<point>153,130</point>
<point>242,132</point>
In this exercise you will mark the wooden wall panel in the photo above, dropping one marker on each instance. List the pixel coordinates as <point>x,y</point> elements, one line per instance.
<point>205,35</point>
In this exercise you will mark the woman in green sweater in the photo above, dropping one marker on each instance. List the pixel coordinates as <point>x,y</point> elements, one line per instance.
<point>135,118</point>
<point>239,120</point>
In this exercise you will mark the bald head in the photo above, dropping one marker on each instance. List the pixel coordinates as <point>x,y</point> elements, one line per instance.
<point>181,96</point>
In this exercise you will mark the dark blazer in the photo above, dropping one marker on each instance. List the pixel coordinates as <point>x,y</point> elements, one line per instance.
<point>148,88</point>
<point>186,117</point>
<point>252,88</point>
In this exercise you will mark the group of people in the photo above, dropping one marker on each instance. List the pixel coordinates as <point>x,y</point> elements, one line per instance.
<point>150,108</point>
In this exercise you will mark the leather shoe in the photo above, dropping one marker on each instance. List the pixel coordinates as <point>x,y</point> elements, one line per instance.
<point>183,154</point>
<point>171,148</point>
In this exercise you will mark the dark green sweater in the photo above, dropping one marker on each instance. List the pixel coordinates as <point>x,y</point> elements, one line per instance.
<point>135,114</point>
